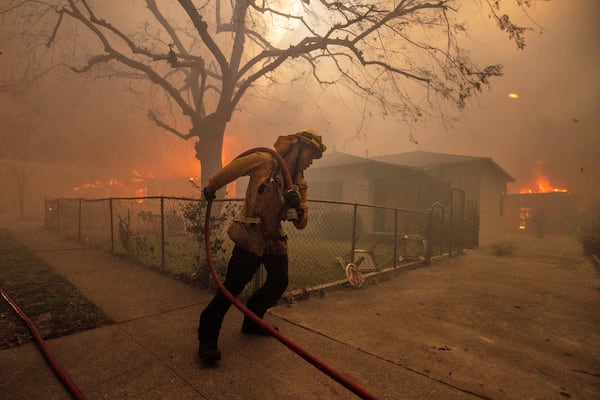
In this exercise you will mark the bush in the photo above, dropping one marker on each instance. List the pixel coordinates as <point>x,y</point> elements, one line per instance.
<point>590,237</point>
<point>221,215</point>
<point>503,249</point>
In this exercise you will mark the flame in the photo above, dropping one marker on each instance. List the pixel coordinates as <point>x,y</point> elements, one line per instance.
<point>143,180</point>
<point>524,214</point>
<point>141,192</point>
<point>542,185</point>
<point>230,144</point>
<point>192,167</point>
<point>99,184</point>
<point>230,151</point>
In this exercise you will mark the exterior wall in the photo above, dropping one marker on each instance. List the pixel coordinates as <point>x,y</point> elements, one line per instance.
<point>352,181</point>
<point>491,208</point>
<point>466,176</point>
<point>482,184</point>
<point>410,190</point>
<point>541,213</point>
<point>382,184</point>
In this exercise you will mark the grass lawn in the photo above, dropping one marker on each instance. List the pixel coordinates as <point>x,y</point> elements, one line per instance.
<point>55,306</point>
<point>313,260</point>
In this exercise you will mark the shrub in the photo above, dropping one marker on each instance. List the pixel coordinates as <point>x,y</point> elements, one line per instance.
<point>589,237</point>
<point>222,213</point>
<point>127,236</point>
<point>503,249</point>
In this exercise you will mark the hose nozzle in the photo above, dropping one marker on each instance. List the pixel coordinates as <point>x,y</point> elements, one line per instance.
<point>292,215</point>
<point>292,199</point>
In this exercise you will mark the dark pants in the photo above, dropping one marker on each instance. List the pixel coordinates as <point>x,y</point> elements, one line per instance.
<point>240,270</point>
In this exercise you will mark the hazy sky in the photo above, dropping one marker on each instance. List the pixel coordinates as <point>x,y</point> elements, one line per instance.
<point>551,129</point>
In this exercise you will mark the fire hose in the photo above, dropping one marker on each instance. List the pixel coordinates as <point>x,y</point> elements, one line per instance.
<point>62,375</point>
<point>319,364</point>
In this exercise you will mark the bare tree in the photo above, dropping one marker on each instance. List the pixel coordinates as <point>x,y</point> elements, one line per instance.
<point>402,56</point>
<point>19,140</point>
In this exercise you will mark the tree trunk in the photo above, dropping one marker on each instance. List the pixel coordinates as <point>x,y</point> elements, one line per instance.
<point>209,147</point>
<point>21,174</point>
<point>21,197</point>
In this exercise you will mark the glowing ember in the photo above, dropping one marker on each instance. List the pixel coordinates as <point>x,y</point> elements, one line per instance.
<point>513,95</point>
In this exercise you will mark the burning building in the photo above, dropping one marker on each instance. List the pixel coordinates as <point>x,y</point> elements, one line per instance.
<point>542,208</point>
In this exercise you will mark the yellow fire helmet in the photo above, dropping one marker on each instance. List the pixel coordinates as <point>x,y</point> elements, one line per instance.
<point>313,138</point>
<point>284,143</point>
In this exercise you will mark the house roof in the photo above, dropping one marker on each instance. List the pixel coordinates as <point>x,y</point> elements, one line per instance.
<point>425,161</point>
<point>337,159</point>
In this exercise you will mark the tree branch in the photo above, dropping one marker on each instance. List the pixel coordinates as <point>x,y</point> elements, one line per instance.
<point>167,127</point>
<point>75,13</point>
<point>55,30</point>
<point>202,29</point>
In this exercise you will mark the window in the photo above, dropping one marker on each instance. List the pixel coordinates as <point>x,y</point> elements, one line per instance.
<point>524,214</point>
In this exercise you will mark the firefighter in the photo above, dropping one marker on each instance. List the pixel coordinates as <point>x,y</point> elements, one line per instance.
<point>257,232</point>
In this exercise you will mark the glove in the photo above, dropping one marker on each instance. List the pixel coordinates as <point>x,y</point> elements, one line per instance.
<point>209,195</point>
<point>292,197</point>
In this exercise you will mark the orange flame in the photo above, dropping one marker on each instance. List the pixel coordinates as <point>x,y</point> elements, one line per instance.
<point>99,184</point>
<point>230,148</point>
<point>141,193</point>
<point>542,185</point>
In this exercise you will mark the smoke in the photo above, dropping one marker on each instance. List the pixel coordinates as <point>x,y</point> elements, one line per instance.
<point>102,131</point>
<point>551,129</point>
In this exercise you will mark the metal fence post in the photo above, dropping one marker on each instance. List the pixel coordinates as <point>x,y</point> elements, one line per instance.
<point>162,232</point>
<point>354,224</point>
<point>112,230</point>
<point>442,229</point>
<point>429,236</point>
<point>79,221</point>
<point>451,227</point>
<point>395,261</point>
<point>58,215</point>
<point>463,220</point>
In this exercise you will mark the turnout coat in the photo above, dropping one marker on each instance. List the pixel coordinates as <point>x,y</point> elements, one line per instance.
<point>258,227</point>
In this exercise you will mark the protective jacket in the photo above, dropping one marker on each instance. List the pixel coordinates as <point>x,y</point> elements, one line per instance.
<point>258,226</point>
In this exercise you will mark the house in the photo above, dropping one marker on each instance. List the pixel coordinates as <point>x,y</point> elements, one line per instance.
<point>344,177</point>
<point>414,180</point>
<point>481,179</point>
<point>542,213</point>
<point>347,178</point>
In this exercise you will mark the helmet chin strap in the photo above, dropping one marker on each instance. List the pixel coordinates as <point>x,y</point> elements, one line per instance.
<point>294,170</point>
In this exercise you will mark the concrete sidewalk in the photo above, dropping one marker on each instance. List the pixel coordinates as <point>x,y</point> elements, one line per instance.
<point>474,327</point>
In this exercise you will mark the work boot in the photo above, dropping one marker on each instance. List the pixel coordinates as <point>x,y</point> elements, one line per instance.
<point>208,352</point>
<point>249,327</point>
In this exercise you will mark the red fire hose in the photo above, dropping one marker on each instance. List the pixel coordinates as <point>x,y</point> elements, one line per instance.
<point>70,385</point>
<point>56,367</point>
<point>319,364</point>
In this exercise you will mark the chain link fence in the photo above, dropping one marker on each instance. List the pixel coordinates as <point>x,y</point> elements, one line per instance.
<point>165,233</point>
